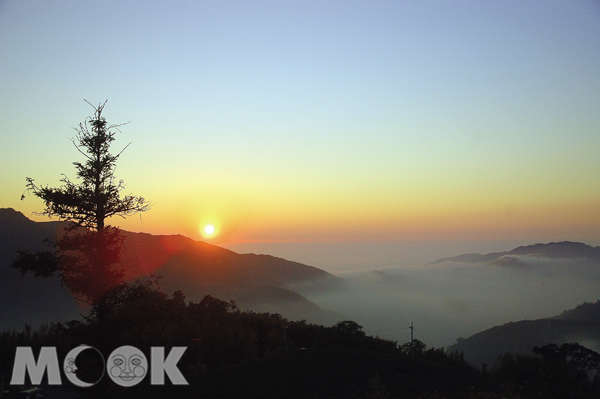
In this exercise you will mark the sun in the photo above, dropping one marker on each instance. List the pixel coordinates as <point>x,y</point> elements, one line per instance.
<point>209,229</point>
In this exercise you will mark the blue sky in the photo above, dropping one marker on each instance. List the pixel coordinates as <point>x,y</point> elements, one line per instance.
<point>318,121</point>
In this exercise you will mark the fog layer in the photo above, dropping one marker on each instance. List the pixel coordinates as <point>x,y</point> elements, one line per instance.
<point>450,300</point>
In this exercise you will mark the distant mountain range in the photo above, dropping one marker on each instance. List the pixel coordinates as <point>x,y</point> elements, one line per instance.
<point>580,325</point>
<point>265,283</point>
<point>553,250</point>
<point>257,282</point>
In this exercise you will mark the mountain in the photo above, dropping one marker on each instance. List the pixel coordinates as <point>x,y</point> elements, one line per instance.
<point>195,267</point>
<point>181,260</point>
<point>553,250</point>
<point>270,299</point>
<point>580,325</point>
<point>256,282</point>
<point>27,299</point>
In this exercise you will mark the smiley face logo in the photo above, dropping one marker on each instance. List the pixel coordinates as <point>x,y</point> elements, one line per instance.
<point>70,366</point>
<point>127,366</point>
<point>71,369</point>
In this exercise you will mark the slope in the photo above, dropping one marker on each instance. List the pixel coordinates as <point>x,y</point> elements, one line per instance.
<point>553,250</point>
<point>579,325</point>
<point>195,267</point>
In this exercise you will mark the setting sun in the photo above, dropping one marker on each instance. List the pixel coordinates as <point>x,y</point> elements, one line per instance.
<point>209,228</point>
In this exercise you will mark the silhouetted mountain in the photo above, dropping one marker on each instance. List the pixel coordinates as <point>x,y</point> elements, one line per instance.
<point>257,282</point>
<point>270,299</point>
<point>587,312</point>
<point>29,299</point>
<point>206,264</point>
<point>553,250</point>
<point>579,325</point>
<point>195,267</point>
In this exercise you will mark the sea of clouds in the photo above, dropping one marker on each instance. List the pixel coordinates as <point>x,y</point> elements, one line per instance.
<point>449,300</point>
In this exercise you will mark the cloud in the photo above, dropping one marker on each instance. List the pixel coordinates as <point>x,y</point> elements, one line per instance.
<point>449,300</point>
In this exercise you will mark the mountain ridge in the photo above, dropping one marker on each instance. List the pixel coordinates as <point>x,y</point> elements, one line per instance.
<point>580,324</point>
<point>196,267</point>
<point>552,250</point>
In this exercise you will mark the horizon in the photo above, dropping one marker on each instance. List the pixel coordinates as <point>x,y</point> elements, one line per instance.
<point>384,292</point>
<point>343,258</point>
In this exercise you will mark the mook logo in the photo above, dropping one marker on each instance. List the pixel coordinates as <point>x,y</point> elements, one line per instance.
<point>126,366</point>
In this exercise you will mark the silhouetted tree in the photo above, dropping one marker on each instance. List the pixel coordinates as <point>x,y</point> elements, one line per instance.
<point>563,372</point>
<point>572,355</point>
<point>569,365</point>
<point>213,305</point>
<point>518,368</point>
<point>418,347</point>
<point>350,327</point>
<point>87,255</point>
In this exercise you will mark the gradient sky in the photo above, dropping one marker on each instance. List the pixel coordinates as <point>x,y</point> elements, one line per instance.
<point>317,121</point>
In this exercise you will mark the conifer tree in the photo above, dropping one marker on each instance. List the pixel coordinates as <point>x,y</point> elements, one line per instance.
<point>87,255</point>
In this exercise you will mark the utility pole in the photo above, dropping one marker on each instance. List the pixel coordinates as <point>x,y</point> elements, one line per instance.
<point>285,337</point>
<point>412,354</point>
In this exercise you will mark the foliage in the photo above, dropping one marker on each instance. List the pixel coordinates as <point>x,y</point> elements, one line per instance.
<point>574,357</point>
<point>86,257</point>
<point>518,369</point>
<point>377,389</point>
<point>565,371</point>
<point>97,196</point>
<point>414,348</point>
<point>216,332</point>
<point>345,334</point>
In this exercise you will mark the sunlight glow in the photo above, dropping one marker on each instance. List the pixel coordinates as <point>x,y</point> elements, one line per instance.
<point>209,228</point>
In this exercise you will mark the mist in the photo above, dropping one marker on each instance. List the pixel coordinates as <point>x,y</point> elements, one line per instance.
<point>449,300</point>
<point>336,257</point>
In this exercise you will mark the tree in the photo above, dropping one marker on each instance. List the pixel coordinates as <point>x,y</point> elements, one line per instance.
<point>87,255</point>
<point>569,364</point>
<point>351,328</point>
<point>415,347</point>
<point>565,371</point>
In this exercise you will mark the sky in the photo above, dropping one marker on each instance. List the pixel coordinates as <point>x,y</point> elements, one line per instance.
<point>341,134</point>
